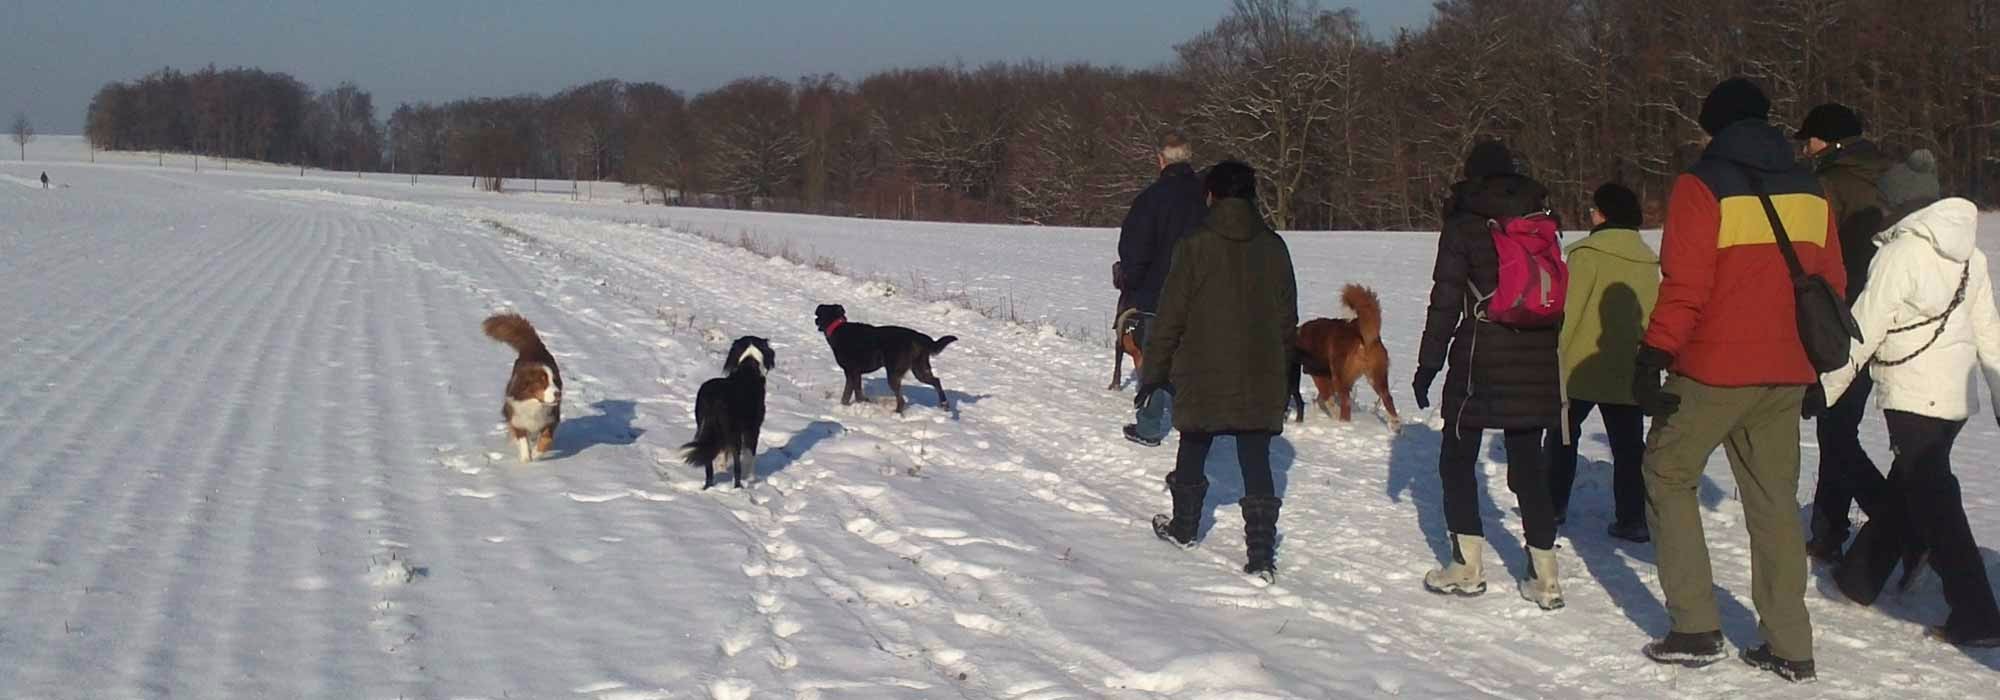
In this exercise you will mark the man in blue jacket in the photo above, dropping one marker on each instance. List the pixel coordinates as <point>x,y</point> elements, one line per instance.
<point>1166,211</point>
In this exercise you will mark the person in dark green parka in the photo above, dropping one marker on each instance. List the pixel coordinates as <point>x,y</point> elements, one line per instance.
<point>1228,318</point>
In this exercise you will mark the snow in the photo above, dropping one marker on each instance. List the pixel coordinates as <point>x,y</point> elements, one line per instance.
<point>254,450</point>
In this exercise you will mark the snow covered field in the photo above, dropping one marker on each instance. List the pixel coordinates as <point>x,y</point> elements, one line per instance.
<point>252,450</point>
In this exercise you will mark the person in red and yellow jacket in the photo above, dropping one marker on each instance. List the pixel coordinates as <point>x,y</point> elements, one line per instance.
<point>1725,329</point>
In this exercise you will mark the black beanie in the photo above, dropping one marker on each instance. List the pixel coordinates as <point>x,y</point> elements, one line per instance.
<point>1619,205</point>
<point>1230,179</point>
<point>1732,101</point>
<point>1831,123</point>
<point>1488,158</point>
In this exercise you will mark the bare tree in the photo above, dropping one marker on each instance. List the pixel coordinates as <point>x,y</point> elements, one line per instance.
<point>1268,86</point>
<point>23,131</point>
<point>750,145</point>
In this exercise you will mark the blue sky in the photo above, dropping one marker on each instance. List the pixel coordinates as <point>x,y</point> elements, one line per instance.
<point>54,54</point>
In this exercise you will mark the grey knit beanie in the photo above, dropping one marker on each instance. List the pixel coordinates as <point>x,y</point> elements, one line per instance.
<point>1912,183</point>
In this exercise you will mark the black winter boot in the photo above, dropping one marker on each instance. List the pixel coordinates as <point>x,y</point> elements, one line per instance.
<point>1915,558</point>
<point>1794,671</point>
<point>1865,571</point>
<point>1260,533</point>
<point>1827,543</point>
<point>1690,649</point>
<point>1180,528</point>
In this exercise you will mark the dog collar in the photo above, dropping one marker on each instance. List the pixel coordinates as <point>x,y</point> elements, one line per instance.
<point>831,327</point>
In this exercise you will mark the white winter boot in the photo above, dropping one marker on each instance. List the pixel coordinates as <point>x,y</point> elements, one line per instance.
<point>1465,575</point>
<point>1543,586</point>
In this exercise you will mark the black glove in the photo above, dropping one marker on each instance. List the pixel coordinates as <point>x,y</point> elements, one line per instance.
<point>1422,385</point>
<point>1646,383</point>
<point>1146,392</point>
<point>1815,403</point>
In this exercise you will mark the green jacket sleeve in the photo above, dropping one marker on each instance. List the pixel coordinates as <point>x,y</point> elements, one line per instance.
<point>1169,324</point>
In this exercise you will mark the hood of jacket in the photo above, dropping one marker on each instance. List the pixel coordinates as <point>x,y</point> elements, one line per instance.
<point>1498,196</point>
<point>1623,243</point>
<point>1950,226</point>
<point>1236,219</point>
<point>1755,144</point>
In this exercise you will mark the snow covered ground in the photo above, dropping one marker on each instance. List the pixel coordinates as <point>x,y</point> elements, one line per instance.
<point>253,450</point>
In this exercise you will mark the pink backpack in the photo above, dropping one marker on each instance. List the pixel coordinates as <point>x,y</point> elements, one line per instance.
<point>1533,278</point>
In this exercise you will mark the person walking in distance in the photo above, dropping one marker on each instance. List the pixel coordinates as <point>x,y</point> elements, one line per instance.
<point>1227,326</point>
<point>1849,167</point>
<point>1161,215</point>
<point>1726,328</point>
<point>1502,378</point>
<point>1613,279</point>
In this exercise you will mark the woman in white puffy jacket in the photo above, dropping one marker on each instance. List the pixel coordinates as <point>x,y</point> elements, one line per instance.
<point>1928,325</point>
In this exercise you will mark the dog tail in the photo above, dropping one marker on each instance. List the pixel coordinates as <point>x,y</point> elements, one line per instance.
<point>1367,312</point>
<point>707,445</point>
<point>938,346</point>
<point>519,334</point>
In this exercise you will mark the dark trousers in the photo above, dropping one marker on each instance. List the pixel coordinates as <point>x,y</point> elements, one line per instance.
<point>1253,451</point>
<point>1923,504</point>
<point>1626,425</point>
<point>1527,477</point>
<point>1846,475</point>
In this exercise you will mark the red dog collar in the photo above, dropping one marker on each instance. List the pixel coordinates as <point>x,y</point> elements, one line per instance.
<point>831,327</point>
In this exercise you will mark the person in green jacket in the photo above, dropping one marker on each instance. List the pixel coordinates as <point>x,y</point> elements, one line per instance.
<point>1228,320</point>
<point>1849,167</point>
<point>1614,277</point>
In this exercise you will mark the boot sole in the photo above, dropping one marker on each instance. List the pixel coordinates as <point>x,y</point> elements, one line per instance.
<point>1457,591</point>
<point>1776,670</point>
<point>1938,634</point>
<point>1687,660</point>
<point>1160,531</point>
<point>1549,606</point>
<point>1136,440</point>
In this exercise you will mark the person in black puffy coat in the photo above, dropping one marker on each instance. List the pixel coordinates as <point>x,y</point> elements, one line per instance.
<point>1500,378</point>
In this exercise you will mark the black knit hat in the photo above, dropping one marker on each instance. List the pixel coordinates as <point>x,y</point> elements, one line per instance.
<point>1619,205</point>
<point>1732,101</point>
<point>1231,179</point>
<point>1831,123</point>
<point>1488,158</point>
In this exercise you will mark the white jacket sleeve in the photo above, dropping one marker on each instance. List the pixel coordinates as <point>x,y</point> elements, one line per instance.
<point>1986,330</point>
<point>1888,284</point>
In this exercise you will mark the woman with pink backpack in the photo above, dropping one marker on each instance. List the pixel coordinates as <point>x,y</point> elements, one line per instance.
<point>1496,302</point>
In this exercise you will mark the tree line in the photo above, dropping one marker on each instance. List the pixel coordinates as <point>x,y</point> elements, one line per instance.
<point>1346,128</point>
<point>238,113</point>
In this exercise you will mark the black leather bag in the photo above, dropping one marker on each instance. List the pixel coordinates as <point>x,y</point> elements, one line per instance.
<point>1826,325</point>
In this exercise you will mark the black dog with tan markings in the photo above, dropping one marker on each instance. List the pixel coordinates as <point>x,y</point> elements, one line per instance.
<point>861,348</point>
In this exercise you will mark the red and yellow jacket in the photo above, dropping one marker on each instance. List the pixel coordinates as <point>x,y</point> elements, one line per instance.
<point>1725,311</point>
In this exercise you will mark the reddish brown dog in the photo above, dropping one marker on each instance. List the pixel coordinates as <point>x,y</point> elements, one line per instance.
<point>1338,352</point>
<point>1124,335</point>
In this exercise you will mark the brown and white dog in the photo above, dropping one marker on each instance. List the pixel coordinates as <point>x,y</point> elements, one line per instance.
<point>1337,352</point>
<point>534,391</point>
<point>1124,331</point>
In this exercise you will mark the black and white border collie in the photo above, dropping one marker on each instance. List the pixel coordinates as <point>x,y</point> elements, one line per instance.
<point>729,412</point>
